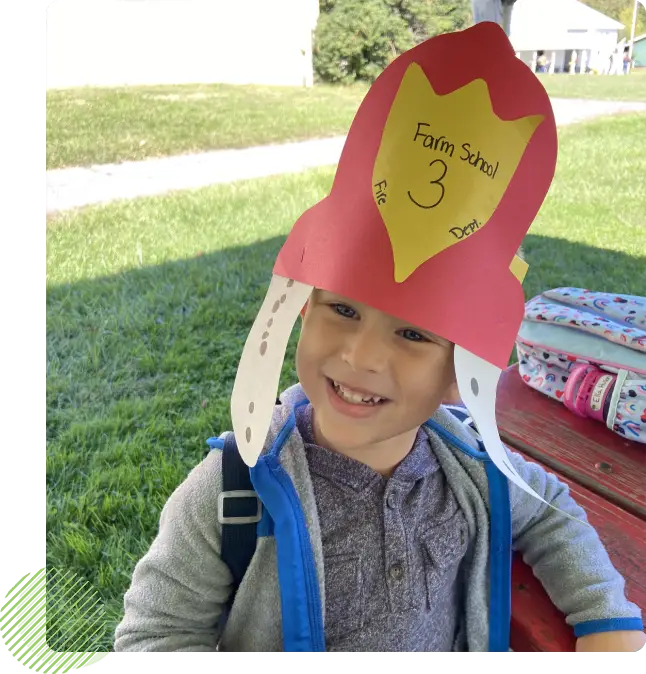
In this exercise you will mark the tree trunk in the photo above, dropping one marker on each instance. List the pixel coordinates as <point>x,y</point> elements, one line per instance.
<point>498,11</point>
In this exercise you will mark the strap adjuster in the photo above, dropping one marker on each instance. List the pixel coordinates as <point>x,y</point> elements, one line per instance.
<point>244,519</point>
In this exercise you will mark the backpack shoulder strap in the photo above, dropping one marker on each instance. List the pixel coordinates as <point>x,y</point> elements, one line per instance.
<point>239,511</point>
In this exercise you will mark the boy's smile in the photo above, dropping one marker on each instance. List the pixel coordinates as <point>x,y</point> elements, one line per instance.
<point>372,379</point>
<point>354,401</point>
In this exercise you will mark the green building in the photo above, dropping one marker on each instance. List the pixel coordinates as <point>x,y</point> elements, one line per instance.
<point>639,52</point>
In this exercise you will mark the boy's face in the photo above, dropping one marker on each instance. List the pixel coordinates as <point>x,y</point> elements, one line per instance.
<point>348,351</point>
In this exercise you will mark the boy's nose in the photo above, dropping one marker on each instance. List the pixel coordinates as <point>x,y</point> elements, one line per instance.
<point>365,351</point>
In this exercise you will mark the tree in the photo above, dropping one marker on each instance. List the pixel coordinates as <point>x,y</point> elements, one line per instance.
<point>621,10</point>
<point>626,17</point>
<point>357,39</point>
<point>427,18</point>
<point>611,8</point>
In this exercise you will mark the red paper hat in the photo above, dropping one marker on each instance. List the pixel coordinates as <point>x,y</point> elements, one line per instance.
<point>445,113</point>
<point>445,166</point>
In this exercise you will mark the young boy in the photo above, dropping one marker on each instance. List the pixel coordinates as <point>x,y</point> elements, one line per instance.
<point>394,514</point>
<point>386,523</point>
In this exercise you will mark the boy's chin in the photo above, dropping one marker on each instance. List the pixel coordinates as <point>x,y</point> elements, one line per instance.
<point>350,441</point>
<point>348,434</point>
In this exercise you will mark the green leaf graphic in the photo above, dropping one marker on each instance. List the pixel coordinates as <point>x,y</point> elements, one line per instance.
<point>53,621</point>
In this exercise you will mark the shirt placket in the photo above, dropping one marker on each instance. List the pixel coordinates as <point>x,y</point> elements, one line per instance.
<point>397,568</point>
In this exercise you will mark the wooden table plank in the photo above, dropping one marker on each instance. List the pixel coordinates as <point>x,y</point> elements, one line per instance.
<point>537,625</point>
<point>581,449</point>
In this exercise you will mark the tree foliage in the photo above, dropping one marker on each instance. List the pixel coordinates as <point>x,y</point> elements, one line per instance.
<point>621,10</point>
<point>357,39</point>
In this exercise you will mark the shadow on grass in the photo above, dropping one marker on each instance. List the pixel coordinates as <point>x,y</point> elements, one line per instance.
<point>557,262</point>
<point>140,368</point>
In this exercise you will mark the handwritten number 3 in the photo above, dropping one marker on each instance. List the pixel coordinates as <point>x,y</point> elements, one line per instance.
<point>437,182</point>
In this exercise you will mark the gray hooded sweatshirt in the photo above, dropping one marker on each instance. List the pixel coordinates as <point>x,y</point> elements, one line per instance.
<point>181,587</point>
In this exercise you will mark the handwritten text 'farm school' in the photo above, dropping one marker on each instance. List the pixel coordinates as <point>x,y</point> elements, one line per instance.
<point>441,144</point>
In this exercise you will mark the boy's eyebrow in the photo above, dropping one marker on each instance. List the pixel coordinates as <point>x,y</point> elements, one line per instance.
<point>327,295</point>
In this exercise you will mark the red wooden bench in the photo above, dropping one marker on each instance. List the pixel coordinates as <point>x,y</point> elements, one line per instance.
<point>607,477</point>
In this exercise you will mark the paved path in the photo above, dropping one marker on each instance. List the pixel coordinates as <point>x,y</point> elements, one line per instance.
<point>75,187</point>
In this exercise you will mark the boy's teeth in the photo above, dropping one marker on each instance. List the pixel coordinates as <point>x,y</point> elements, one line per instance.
<point>354,397</point>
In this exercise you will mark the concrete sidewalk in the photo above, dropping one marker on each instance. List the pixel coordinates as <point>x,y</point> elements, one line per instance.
<point>81,186</point>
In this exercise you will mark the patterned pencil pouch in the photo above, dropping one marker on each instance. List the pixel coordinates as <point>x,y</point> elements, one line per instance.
<point>588,350</point>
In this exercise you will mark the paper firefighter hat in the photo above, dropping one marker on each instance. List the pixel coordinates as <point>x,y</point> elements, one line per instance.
<point>445,167</point>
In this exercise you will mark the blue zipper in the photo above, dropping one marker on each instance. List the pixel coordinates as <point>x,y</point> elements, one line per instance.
<point>500,541</point>
<point>309,637</point>
<point>313,599</point>
<point>499,560</point>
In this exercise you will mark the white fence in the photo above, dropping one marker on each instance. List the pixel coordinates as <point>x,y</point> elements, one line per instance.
<point>127,42</point>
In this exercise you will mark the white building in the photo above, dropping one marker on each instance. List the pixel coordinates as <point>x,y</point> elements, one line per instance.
<point>562,29</point>
<point>129,42</point>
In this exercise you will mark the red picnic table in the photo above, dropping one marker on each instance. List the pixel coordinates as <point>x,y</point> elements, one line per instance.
<point>607,477</point>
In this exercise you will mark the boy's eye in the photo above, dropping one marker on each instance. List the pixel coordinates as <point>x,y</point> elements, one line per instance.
<point>344,310</point>
<point>413,335</point>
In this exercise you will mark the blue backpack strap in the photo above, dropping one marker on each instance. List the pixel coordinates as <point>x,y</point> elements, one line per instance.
<point>239,511</point>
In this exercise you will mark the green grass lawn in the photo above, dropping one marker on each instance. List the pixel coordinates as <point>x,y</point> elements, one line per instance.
<point>601,87</point>
<point>98,126</point>
<point>149,303</point>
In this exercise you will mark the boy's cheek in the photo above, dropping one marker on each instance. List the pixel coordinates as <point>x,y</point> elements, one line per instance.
<point>305,368</point>
<point>452,395</point>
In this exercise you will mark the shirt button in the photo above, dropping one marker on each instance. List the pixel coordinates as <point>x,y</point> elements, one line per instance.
<point>391,501</point>
<point>396,571</point>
